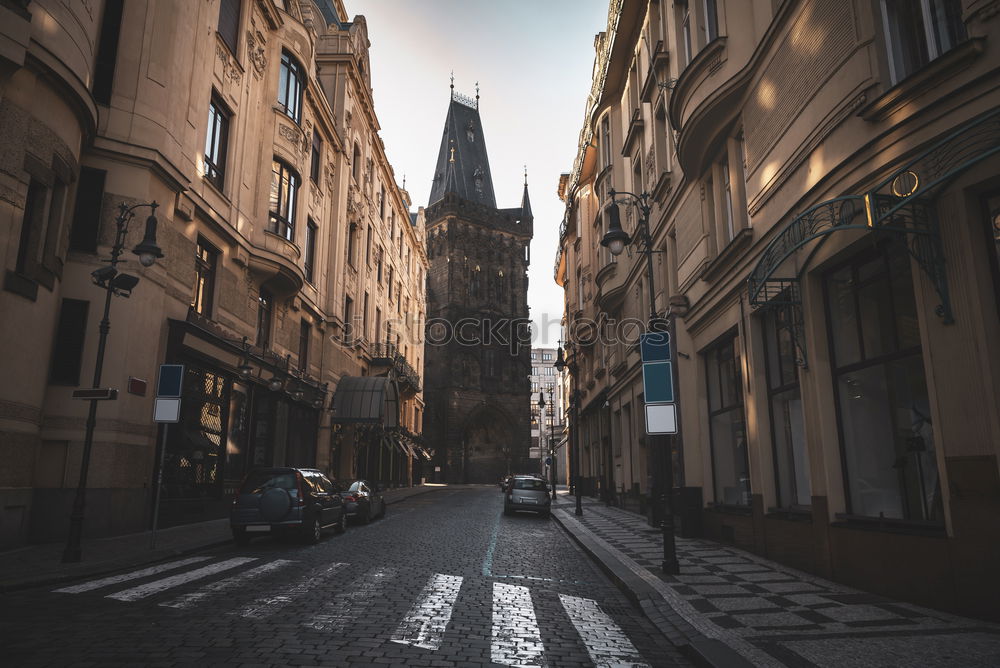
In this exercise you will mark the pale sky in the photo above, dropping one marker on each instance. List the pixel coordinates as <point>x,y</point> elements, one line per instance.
<point>533,60</point>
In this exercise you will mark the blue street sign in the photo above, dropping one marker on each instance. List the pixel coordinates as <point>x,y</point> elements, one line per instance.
<point>170,381</point>
<point>655,346</point>
<point>657,382</point>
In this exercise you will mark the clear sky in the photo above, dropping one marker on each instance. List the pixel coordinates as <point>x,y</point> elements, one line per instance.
<point>533,60</point>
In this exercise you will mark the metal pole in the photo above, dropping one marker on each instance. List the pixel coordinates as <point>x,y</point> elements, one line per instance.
<point>159,485</point>
<point>73,551</point>
<point>574,438</point>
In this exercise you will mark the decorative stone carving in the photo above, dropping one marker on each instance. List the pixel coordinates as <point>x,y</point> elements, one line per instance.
<point>230,70</point>
<point>329,176</point>
<point>306,137</point>
<point>294,135</point>
<point>255,53</point>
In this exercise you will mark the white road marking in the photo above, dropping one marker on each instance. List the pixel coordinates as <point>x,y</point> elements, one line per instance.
<point>606,643</point>
<point>125,577</point>
<point>516,638</point>
<point>348,605</point>
<point>155,587</point>
<point>189,599</point>
<point>425,623</point>
<point>268,605</point>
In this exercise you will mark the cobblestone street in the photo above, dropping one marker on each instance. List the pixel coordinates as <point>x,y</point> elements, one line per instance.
<point>444,579</point>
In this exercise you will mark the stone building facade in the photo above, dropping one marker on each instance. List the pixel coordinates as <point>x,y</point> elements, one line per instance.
<point>822,179</point>
<point>547,431</point>
<point>477,349</point>
<point>287,246</point>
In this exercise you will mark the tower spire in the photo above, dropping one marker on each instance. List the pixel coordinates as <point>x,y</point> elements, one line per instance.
<point>453,84</point>
<point>477,95</point>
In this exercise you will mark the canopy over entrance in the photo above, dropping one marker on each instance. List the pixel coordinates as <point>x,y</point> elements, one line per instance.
<point>901,204</point>
<point>366,400</point>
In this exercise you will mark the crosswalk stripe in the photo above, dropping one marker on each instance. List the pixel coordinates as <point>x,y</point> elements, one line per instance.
<point>268,605</point>
<point>425,623</point>
<point>606,643</point>
<point>348,605</point>
<point>189,599</point>
<point>516,638</point>
<point>155,587</point>
<point>134,575</point>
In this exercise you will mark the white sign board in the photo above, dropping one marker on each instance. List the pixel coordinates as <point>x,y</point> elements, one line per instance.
<point>166,410</point>
<point>661,418</point>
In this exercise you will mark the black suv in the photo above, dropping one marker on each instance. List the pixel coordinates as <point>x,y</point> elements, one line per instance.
<point>287,501</point>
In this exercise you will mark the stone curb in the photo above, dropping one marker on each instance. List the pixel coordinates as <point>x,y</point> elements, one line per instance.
<point>704,651</point>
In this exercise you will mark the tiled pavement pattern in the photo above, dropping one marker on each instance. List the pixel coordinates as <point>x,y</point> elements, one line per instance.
<point>773,615</point>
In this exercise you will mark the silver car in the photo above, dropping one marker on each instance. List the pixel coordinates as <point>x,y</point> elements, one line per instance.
<point>527,493</point>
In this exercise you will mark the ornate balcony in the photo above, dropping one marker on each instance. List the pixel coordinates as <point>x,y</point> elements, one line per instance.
<point>387,354</point>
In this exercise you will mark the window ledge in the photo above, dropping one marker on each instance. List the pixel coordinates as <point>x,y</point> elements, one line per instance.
<point>790,514</point>
<point>728,254</point>
<point>20,284</point>
<point>889,525</point>
<point>925,79</point>
<point>729,509</point>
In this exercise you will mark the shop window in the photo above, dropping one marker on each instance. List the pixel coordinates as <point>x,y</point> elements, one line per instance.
<point>887,439</point>
<point>229,22</point>
<point>727,426</point>
<point>788,439</point>
<point>67,349</point>
<point>918,31</point>
<point>205,264</point>
<point>291,80</point>
<point>284,190</point>
<point>265,304</point>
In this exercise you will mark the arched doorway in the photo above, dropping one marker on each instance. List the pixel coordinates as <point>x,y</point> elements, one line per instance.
<point>487,448</point>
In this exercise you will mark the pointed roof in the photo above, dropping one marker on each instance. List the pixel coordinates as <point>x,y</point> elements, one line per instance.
<point>463,166</point>
<point>525,202</point>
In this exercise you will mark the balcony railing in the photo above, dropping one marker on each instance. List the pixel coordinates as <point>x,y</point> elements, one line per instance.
<point>388,354</point>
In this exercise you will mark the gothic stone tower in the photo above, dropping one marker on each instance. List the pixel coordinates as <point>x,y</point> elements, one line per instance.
<point>477,349</point>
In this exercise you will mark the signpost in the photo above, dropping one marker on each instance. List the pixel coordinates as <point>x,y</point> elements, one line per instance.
<point>658,383</point>
<point>166,410</point>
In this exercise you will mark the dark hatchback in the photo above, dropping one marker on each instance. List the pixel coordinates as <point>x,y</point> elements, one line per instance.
<point>287,501</point>
<point>363,501</point>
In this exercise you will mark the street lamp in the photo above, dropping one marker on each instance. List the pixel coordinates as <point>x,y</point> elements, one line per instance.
<point>113,283</point>
<point>574,399</point>
<point>615,240</point>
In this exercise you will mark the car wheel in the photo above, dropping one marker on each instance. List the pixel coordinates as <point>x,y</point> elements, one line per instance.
<point>314,532</point>
<point>240,536</point>
<point>342,524</point>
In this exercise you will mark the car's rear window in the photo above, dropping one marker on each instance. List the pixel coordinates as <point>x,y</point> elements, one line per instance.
<point>355,486</point>
<point>529,483</point>
<point>259,482</point>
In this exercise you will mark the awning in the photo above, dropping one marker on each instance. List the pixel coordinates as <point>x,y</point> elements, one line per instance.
<point>366,400</point>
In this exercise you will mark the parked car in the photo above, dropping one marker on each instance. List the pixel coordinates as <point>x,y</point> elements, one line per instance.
<point>285,501</point>
<point>527,493</point>
<point>363,501</point>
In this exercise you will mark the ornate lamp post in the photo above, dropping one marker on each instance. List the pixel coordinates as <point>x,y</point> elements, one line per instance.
<point>113,283</point>
<point>563,363</point>
<point>616,240</point>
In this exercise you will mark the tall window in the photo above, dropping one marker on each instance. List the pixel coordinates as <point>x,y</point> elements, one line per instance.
<point>918,31</point>
<point>686,38</point>
<point>291,79</point>
<point>87,210</point>
<point>229,22</point>
<point>711,20</point>
<point>265,304</point>
<point>305,332</point>
<point>992,206</point>
<point>356,164</point>
<point>107,51</point>
<point>368,247</point>
<point>284,189</point>
<point>364,317</point>
<point>727,427</point>
<point>390,282</point>
<point>67,348</point>
<point>378,263</point>
<point>205,261</point>
<point>352,236</point>
<point>315,155</point>
<point>32,225</point>
<point>606,141</point>
<point>216,141</point>
<point>727,201</point>
<point>348,319</point>
<point>883,409</point>
<point>309,263</point>
<point>791,457</point>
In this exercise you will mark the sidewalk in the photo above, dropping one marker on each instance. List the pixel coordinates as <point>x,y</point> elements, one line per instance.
<point>732,608</point>
<point>42,564</point>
